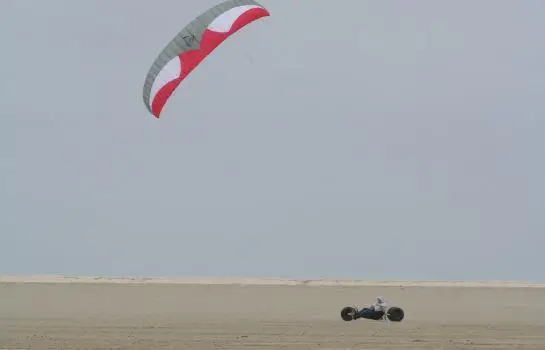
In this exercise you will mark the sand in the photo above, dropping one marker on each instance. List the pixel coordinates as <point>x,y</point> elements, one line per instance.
<point>55,312</point>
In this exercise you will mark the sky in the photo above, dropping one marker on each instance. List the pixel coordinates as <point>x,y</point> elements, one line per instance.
<point>351,139</point>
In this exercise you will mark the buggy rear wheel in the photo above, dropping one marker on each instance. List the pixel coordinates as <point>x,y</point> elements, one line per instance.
<point>395,314</point>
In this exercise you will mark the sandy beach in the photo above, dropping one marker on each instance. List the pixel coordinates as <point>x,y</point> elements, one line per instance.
<point>56,312</point>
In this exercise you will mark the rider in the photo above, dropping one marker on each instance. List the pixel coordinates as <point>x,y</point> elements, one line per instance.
<point>379,305</point>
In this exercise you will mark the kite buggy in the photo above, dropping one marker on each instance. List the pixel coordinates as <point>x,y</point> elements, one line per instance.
<point>376,312</point>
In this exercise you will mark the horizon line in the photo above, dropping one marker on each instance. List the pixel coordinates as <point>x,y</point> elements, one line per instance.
<point>260,281</point>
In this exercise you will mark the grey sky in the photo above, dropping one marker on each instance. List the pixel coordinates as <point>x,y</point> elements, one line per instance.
<point>366,139</point>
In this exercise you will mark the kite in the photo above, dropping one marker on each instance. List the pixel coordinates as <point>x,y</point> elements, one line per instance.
<point>192,45</point>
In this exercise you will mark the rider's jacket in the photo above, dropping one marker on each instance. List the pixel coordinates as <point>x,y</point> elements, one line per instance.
<point>377,306</point>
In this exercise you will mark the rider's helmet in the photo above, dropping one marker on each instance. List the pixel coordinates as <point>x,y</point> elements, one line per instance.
<point>380,300</point>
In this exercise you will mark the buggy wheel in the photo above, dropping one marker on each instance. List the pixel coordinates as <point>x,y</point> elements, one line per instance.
<point>395,314</point>
<point>348,313</point>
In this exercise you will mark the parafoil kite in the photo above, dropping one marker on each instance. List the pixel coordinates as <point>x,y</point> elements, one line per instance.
<point>192,45</point>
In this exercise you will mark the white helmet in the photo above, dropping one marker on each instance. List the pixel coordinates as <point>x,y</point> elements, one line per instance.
<point>380,300</point>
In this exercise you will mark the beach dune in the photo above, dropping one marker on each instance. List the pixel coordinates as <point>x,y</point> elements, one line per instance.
<point>71,312</point>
